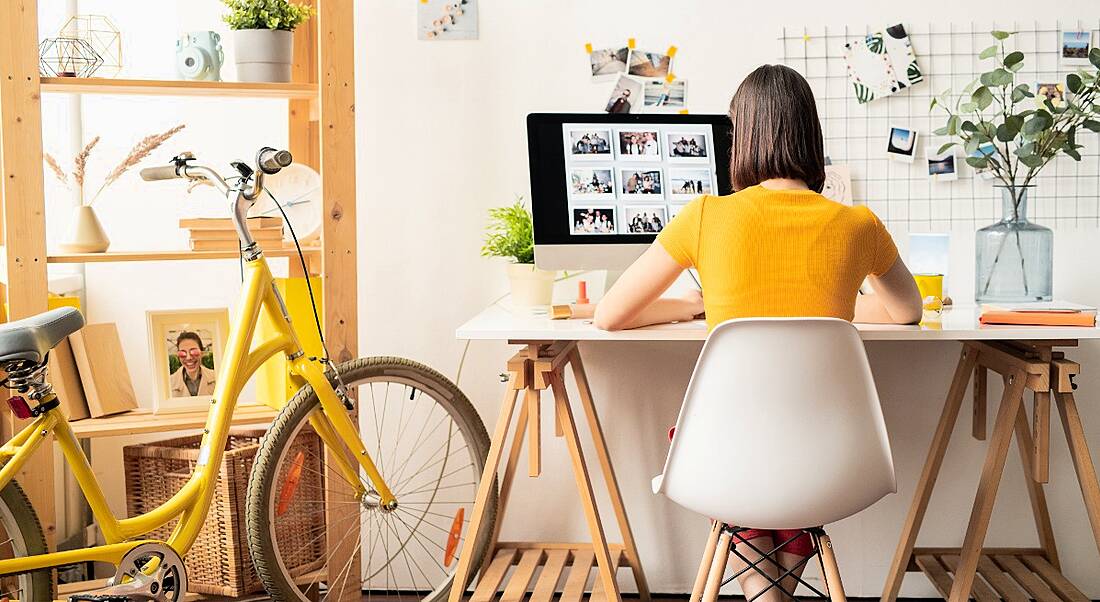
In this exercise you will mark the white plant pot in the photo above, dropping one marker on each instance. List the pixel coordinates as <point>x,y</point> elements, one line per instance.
<point>531,287</point>
<point>263,55</point>
<point>86,234</point>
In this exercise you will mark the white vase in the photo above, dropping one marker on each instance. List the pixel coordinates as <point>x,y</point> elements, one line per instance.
<point>531,287</point>
<point>263,55</point>
<point>86,234</point>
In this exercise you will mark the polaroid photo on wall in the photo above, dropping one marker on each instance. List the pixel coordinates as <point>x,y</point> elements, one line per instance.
<point>942,167</point>
<point>644,219</point>
<point>1055,92</point>
<point>689,183</point>
<point>674,210</point>
<point>687,147</point>
<point>591,183</point>
<point>641,183</point>
<point>662,96</point>
<point>593,220</point>
<point>901,144</point>
<point>984,150</point>
<point>626,97</point>
<point>607,63</point>
<point>590,144</point>
<point>649,65</point>
<point>1075,47</point>
<point>638,145</point>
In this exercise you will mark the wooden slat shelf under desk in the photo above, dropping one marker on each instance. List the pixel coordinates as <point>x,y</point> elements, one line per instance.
<point>157,87</point>
<point>144,421</point>
<point>180,255</point>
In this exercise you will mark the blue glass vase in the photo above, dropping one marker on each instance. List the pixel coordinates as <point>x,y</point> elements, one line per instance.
<point>1014,257</point>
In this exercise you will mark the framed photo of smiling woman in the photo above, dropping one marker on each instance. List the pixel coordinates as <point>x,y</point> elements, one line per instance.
<point>185,348</point>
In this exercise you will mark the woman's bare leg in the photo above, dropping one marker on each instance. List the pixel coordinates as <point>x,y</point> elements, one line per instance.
<point>788,560</point>
<point>751,581</point>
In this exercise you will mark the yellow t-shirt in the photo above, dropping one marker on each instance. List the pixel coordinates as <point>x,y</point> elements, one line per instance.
<point>772,253</point>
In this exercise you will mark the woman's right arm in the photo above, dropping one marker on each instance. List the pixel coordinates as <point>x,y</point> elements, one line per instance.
<point>896,299</point>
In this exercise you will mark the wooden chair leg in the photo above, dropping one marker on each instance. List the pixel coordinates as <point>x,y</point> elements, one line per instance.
<point>704,565</point>
<point>717,568</point>
<point>832,571</point>
<point>931,471</point>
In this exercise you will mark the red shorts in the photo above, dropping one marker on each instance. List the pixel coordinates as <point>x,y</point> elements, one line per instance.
<point>802,546</point>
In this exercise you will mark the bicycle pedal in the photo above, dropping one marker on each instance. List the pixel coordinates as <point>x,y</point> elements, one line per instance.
<point>97,598</point>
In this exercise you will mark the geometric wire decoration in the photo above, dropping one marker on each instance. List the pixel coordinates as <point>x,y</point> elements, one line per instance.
<point>1067,192</point>
<point>67,57</point>
<point>99,32</point>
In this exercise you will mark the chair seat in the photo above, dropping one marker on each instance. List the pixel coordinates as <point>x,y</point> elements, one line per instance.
<point>31,338</point>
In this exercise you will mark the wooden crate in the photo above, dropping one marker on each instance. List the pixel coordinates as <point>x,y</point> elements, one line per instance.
<point>219,562</point>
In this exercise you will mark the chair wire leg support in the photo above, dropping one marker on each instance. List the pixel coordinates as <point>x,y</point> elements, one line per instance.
<point>769,556</point>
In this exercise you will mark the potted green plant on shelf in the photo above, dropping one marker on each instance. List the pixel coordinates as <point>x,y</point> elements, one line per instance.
<point>1013,132</point>
<point>510,234</point>
<point>263,37</point>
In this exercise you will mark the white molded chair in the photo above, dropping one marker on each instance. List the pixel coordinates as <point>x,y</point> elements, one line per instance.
<point>781,428</point>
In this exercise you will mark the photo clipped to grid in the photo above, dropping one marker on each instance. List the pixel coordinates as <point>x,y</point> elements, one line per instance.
<point>887,142</point>
<point>632,179</point>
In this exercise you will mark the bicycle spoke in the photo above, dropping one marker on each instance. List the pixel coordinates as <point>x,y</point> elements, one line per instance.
<point>438,480</point>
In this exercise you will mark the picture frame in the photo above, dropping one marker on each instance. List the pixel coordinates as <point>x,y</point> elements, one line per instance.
<point>638,144</point>
<point>901,143</point>
<point>591,182</point>
<point>182,342</point>
<point>688,146</point>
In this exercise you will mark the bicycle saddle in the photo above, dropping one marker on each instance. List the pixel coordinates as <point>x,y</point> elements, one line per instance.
<point>31,338</point>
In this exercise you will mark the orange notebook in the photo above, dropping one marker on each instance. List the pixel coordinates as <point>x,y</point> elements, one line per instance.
<point>1054,313</point>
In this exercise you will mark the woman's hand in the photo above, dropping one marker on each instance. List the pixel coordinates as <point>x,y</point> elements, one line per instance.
<point>694,300</point>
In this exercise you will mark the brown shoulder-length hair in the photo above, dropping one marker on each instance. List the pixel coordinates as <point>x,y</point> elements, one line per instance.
<point>776,132</point>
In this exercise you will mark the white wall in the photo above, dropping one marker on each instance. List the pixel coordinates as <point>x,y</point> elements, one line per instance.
<point>441,138</point>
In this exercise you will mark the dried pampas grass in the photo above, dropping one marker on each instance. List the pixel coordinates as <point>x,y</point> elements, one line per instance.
<point>80,163</point>
<point>140,151</point>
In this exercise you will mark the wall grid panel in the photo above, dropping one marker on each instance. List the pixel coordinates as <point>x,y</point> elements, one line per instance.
<point>1066,192</point>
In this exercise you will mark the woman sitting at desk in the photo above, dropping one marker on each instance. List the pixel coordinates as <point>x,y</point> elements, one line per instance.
<point>775,247</point>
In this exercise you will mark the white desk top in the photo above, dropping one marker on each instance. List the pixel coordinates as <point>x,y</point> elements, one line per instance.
<point>497,322</point>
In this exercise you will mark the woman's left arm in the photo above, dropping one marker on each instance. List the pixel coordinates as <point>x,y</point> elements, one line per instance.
<point>635,300</point>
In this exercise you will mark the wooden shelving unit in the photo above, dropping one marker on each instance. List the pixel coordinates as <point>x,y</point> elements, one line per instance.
<point>159,87</point>
<point>143,421</point>
<point>321,132</point>
<point>181,255</point>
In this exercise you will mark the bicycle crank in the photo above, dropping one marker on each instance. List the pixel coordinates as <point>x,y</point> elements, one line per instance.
<point>134,582</point>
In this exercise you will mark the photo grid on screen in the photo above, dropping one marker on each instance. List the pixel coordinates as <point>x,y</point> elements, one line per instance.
<point>634,178</point>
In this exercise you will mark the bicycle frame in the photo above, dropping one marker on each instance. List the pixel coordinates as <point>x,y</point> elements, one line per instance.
<point>192,502</point>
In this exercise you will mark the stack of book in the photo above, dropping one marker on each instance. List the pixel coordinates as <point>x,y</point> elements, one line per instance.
<point>219,234</point>
<point>1049,313</point>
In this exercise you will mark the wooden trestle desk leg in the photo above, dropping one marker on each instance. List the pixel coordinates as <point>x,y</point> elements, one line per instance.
<point>929,474</point>
<point>992,470</point>
<point>1036,571</point>
<point>540,367</point>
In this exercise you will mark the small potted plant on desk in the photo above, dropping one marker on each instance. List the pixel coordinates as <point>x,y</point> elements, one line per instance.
<point>1011,132</point>
<point>263,37</point>
<point>510,234</point>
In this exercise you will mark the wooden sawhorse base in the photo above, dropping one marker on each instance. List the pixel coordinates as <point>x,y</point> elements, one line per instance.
<point>539,367</point>
<point>972,571</point>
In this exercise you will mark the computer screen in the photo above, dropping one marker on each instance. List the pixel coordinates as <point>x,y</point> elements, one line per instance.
<point>612,180</point>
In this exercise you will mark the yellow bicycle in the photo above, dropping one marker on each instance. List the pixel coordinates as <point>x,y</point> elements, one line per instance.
<point>409,479</point>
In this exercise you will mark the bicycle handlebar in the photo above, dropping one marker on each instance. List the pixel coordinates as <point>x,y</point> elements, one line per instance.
<point>270,161</point>
<point>162,172</point>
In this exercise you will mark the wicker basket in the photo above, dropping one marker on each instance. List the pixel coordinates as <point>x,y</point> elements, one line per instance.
<point>219,562</point>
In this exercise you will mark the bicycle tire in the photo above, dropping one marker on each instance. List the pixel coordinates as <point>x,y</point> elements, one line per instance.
<point>20,521</point>
<point>293,417</point>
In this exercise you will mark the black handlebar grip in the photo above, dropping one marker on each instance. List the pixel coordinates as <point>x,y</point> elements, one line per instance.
<point>271,160</point>
<point>163,172</point>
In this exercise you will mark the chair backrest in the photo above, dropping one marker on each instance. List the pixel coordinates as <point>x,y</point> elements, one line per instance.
<point>781,427</point>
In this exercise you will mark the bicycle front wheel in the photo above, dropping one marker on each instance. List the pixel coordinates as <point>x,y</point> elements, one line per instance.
<point>429,444</point>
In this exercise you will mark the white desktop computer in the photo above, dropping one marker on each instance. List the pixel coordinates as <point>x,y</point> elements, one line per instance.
<point>603,185</point>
